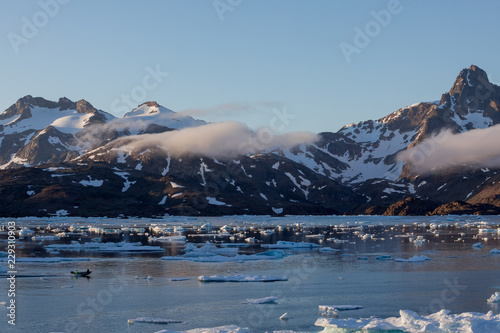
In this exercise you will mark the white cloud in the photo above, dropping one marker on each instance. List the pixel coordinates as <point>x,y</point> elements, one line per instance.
<point>472,149</point>
<point>221,140</point>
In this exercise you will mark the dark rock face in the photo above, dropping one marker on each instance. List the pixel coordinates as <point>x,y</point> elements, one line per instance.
<point>462,207</point>
<point>69,157</point>
<point>411,206</point>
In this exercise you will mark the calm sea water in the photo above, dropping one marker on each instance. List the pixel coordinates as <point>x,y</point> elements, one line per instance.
<point>459,278</point>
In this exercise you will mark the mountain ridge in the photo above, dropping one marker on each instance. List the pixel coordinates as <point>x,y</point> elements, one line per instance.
<point>64,152</point>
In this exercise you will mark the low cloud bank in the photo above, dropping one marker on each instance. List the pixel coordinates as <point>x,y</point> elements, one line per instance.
<point>221,140</point>
<point>472,149</point>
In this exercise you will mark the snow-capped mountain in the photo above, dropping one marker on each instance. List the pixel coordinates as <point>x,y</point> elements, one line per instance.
<point>152,113</point>
<point>71,158</point>
<point>35,131</point>
<point>363,155</point>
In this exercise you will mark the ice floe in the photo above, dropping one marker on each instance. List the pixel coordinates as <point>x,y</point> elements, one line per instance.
<point>264,300</point>
<point>290,245</point>
<point>334,308</point>
<point>241,278</point>
<point>105,247</point>
<point>199,256</point>
<point>385,257</point>
<point>168,239</point>
<point>495,298</point>
<point>415,258</point>
<point>152,320</point>
<point>329,249</point>
<point>220,329</point>
<point>409,321</point>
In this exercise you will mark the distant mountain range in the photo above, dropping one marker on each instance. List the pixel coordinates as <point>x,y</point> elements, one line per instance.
<point>68,158</point>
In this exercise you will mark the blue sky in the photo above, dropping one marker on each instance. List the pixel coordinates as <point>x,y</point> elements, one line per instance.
<point>242,59</point>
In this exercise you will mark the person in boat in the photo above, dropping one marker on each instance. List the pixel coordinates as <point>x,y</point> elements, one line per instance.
<point>88,271</point>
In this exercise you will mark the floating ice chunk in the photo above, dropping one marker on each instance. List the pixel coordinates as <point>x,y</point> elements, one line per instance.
<point>335,308</point>
<point>329,249</point>
<point>486,231</point>
<point>284,316</point>
<point>178,279</point>
<point>208,250</point>
<point>220,329</point>
<point>495,251</point>
<point>234,245</point>
<point>168,239</point>
<point>495,298</point>
<point>264,300</point>
<point>45,238</point>
<point>25,232</point>
<point>241,278</point>
<point>385,257</point>
<point>290,245</point>
<point>152,320</point>
<point>478,245</point>
<point>419,240</point>
<point>415,258</point>
<point>128,247</point>
<point>268,255</point>
<point>410,321</point>
<point>268,232</point>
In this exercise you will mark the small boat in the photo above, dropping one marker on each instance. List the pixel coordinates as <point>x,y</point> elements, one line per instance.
<point>82,274</point>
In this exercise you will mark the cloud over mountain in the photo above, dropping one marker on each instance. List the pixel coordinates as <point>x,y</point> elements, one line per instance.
<point>221,140</point>
<point>471,149</point>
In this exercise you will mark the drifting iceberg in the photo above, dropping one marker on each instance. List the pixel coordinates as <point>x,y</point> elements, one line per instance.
<point>495,298</point>
<point>290,245</point>
<point>220,329</point>
<point>385,257</point>
<point>410,321</point>
<point>241,278</point>
<point>415,258</point>
<point>265,300</point>
<point>105,247</point>
<point>168,239</point>
<point>153,321</point>
<point>334,308</point>
<point>211,257</point>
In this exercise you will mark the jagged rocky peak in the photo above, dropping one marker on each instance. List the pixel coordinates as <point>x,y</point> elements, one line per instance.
<point>471,90</point>
<point>151,104</point>
<point>470,77</point>
<point>82,106</point>
<point>65,103</point>
<point>148,109</point>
